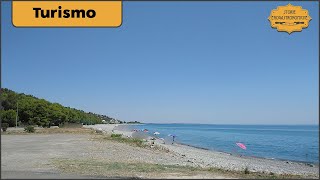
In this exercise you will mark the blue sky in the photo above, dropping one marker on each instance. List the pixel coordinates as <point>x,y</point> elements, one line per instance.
<point>173,62</point>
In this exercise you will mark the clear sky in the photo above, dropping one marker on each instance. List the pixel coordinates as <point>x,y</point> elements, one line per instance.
<point>173,62</point>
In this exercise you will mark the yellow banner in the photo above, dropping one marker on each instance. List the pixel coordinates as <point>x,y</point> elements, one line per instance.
<point>289,18</point>
<point>66,13</point>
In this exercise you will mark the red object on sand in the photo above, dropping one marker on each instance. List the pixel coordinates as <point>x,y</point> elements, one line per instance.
<point>242,146</point>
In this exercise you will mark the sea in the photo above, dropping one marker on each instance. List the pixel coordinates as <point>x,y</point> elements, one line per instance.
<point>283,142</point>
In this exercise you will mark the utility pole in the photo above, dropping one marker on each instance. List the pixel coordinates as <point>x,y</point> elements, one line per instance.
<point>17,116</point>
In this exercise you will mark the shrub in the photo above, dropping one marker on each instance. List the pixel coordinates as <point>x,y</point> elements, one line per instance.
<point>246,170</point>
<point>29,129</point>
<point>116,135</point>
<point>8,116</point>
<point>4,126</point>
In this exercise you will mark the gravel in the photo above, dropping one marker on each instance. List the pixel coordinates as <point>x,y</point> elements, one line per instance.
<point>32,155</point>
<point>187,155</point>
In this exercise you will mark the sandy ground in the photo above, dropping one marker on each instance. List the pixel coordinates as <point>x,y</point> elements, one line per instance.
<point>57,155</point>
<point>38,156</point>
<point>29,156</point>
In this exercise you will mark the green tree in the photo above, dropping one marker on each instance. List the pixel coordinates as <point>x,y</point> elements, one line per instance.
<point>9,116</point>
<point>35,111</point>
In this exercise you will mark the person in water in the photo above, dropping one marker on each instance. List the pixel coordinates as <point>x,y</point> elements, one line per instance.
<point>173,139</point>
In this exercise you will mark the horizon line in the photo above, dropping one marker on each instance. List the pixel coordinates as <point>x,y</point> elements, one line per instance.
<point>231,124</point>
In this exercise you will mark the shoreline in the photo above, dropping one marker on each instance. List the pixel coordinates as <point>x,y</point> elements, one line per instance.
<point>206,158</point>
<point>239,155</point>
<point>129,134</point>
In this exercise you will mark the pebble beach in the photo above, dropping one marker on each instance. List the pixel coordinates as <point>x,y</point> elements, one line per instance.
<point>208,158</point>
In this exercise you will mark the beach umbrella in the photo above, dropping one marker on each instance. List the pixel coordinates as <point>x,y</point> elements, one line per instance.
<point>156,133</point>
<point>241,145</point>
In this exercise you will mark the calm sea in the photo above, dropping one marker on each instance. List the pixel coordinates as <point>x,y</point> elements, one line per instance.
<point>294,142</point>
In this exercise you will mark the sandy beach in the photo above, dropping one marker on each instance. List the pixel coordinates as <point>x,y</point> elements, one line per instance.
<point>87,153</point>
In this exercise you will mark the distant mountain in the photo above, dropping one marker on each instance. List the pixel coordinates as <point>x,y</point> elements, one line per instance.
<point>35,111</point>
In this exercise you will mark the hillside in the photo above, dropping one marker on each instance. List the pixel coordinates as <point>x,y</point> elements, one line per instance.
<point>36,111</point>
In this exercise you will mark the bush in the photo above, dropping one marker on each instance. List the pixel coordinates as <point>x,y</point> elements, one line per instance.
<point>4,126</point>
<point>130,141</point>
<point>116,135</point>
<point>246,170</point>
<point>8,116</point>
<point>29,129</point>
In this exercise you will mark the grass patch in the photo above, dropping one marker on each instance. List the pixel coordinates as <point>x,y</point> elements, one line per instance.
<point>147,170</point>
<point>51,131</point>
<point>65,131</point>
<point>130,141</point>
<point>116,135</point>
<point>120,169</point>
